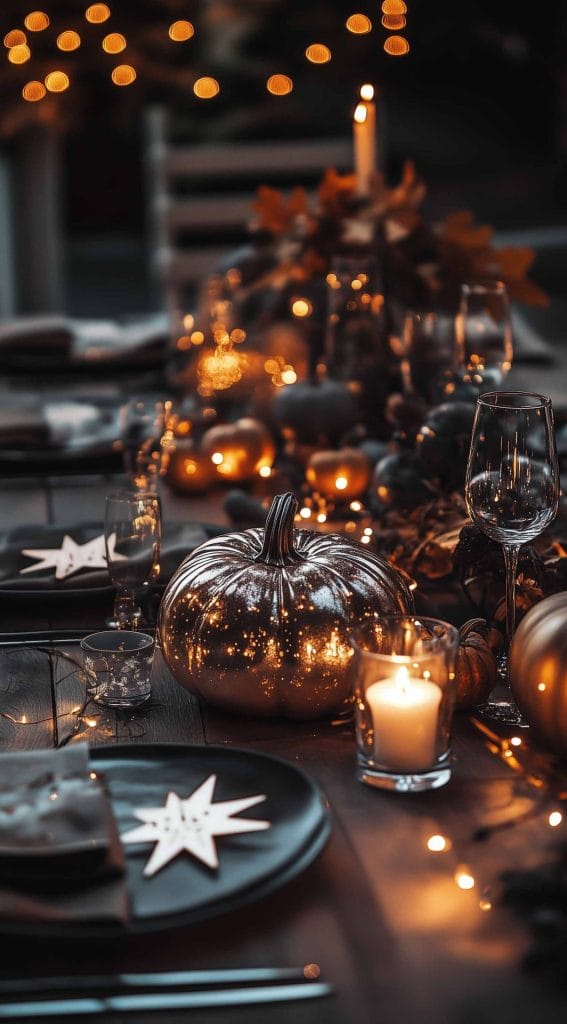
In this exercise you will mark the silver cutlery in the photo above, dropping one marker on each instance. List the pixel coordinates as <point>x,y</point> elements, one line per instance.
<point>160,1001</point>
<point>156,979</point>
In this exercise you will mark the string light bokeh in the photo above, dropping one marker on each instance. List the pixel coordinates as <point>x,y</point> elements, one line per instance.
<point>67,40</point>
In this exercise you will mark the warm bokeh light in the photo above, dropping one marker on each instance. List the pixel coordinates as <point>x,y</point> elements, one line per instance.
<point>555,819</point>
<point>464,879</point>
<point>181,31</point>
<point>123,74</point>
<point>394,7</point>
<point>68,40</point>
<point>19,54</point>
<point>367,92</point>
<point>301,307</point>
<point>437,843</point>
<point>97,13</point>
<point>36,21</point>
<point>15,37</point>
<point>393,22</point>
<point>318,53</point>
<point>265,472</point>
<point>396,46</point>
<point>33,91</point>
<point>206,88</point>
<point>360,113</point>
<point>57,81</point>
<point>197,338</point>
<point>341,483</point>
<point>279,85</point>
<point>114,42</point>
<point>359,24</point>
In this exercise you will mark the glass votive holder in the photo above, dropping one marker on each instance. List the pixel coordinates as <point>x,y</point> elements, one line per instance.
<point>117,667</point>
<point>404,696</point>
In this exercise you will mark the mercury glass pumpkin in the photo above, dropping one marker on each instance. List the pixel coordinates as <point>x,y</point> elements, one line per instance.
<point>259,622</point>
<point>538,671</point>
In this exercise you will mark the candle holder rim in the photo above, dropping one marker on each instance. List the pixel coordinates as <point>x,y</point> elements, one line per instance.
<point>357,632</point>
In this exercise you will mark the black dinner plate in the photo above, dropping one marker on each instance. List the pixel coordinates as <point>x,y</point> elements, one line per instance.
<point>251,865</point>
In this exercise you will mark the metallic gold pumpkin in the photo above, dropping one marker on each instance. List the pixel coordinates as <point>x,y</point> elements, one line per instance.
<point>476,665</point>
<point>189,470</point>
<point>341,474</point>
<point>259,622</point>
<point>538,671</point>
<point>239,450</point>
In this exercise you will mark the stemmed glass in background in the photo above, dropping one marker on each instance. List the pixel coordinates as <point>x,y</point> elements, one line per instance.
<point>132,535</point>
<point>145,440</point>
<point>512,494</point>
<point>483,334</point>
<point>427,354</point>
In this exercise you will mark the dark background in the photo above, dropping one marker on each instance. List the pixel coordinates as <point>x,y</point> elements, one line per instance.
<point>479,103</point>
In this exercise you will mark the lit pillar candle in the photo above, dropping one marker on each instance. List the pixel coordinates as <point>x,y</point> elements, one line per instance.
<point>404,718</point>
<point>364,139</point>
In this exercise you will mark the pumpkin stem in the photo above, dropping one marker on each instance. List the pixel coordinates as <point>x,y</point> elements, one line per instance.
<point>279,542</point>
<point>470,626</point>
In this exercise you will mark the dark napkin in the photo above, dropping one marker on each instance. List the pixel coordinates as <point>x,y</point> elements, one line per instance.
<point>23,425</point>
<point>41,337</point>
<point>179,540</point>
<point>60,855</point>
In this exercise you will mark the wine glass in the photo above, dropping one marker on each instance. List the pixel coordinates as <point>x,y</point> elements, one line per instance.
<point>483,334</point>
<point>132,536</point>
<point>145,440</point>
<point>427,351</point>
<point>512,494</point>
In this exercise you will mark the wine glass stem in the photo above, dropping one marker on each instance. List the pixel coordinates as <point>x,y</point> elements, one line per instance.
<point>511,563</point>
<point>126,612</point>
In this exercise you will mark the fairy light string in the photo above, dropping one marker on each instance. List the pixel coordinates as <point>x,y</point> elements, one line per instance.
<point>85,715</point>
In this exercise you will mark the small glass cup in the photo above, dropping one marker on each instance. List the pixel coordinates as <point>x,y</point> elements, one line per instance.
<point>428,355</point>
<point>483,333</point>
<point>405,690</point>
<point>118,667</point>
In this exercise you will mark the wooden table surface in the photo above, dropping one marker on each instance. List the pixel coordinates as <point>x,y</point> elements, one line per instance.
<point>394,934</point>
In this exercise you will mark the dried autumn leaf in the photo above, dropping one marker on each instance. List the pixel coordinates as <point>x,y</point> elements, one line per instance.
<point>271,209</point>
<point>459,227</point>
<point>434,561</point>
<point>334,191</point>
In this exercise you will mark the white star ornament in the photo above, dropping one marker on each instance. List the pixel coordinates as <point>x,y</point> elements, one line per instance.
<point>191,825</point>
<point>72,557</point>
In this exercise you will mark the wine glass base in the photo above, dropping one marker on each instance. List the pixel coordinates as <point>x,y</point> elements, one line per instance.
<point>132,621</point>
<point>505,712</point>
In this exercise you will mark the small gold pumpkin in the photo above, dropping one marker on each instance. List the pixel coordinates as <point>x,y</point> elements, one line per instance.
<point>339,475</point>
<point>189,470</point>
<point>239,450</point>
<point>476,665</point>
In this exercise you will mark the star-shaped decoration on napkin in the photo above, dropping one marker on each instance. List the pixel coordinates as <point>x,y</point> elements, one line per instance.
<point>191,825</point>
<point>72,557</point>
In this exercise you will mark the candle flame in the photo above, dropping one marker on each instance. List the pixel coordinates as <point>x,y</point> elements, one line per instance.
<point>402,677</point>
<point>360,113</point>
<point>367,92</point>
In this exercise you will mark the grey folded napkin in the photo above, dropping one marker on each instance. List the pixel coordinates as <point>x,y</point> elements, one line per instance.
<point>60,855</point>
